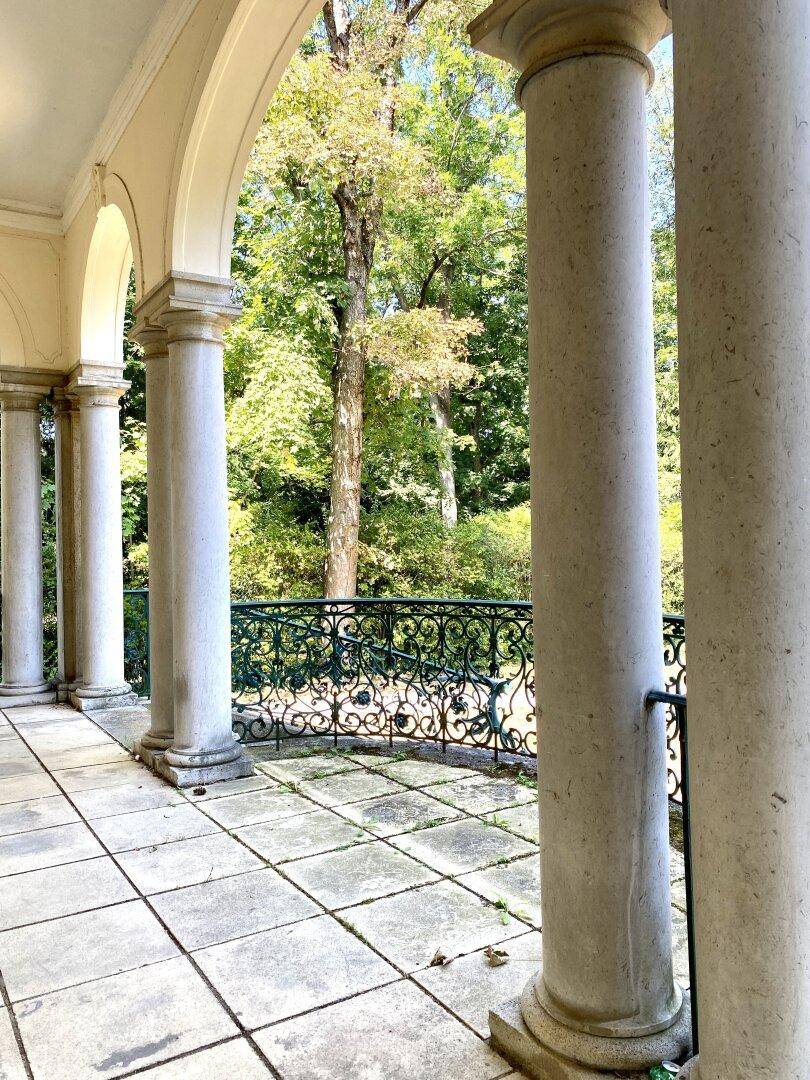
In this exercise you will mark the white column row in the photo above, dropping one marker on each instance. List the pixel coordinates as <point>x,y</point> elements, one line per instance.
<point>604,999</point>
<point>190,740</point>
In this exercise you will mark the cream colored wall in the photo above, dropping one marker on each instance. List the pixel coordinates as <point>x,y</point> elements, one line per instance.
<point>31,325</point>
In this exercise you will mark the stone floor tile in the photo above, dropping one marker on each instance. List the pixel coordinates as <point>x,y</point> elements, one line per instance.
<point>388,815</point>
<point>19,764</point>
<point>78,756</point>
<point>292,838</point>
<point>411,927</point>
<point>523,821</point>
<point>99,776</point>
<point>481,794</point>
<point>251,807</point>
<point>147,828</point>
<point>460,846</point>
<point>148,794</point>
<point>50,956</point>
<point>30,786</point>
<point>187,862</point>
<point>308,767</point>
<point>470,986</point>
<point>348,788</point>
<point>371,761</point>
<point>47,847</point>
<point>394,1033</point>
<point>234,1060</point>
<point>680,948</point>
<point>36,814</point>
<point>419,774</point>
<point>32,714</point>
<point>11,1063</point>
<point>61,890</point>
<point>279,973</point>
<point>517,884</point>
<point>64,735</point>
<point>233,907</point>
<point>230,787</point>
<point>340,878</point>
<point>109,1027</point>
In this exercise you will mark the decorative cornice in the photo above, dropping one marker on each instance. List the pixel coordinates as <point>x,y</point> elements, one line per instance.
<point>534,34</point>
<point>96,384</point>
<point>206,298</point>
<point>30,380</point>
<point>27,217</point>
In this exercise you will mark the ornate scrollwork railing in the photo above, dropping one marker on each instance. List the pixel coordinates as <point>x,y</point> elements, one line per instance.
<point>136,640</point>
<point>675,672</point>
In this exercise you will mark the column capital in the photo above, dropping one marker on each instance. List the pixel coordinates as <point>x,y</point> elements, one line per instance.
<point>24,389</point>
<point>535,34</point>
<point>188,306</point>
<point>152,339</point>
<point>96,384</point>
<point>63,402</point>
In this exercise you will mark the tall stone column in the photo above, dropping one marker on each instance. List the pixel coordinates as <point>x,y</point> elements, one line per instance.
<point>21,546</point>
<point>160,735</point>
<point>102,604</point>
<point>605,998</point>
<point>743,217</point>
<point>68,550</point>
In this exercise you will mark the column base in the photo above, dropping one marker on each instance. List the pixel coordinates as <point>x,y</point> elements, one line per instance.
<point>94,698</point>
<point>552,1051</point>
<point>12,696</point>
<point>196,775</point>
<point>690,1070</point>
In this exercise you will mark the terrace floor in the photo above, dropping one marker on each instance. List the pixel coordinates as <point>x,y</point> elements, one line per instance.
<point>343,914</point>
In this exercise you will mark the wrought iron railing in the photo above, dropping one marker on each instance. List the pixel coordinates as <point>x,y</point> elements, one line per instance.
<point>448,671</point>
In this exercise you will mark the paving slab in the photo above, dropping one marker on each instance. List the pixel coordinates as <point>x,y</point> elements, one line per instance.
<point>19,764</point>
<point>11,1063</point>
<point>124,1022</point>
<point>229,787</point>
<point>64,735</point>
<point>233,907</point>
<point>395,1033</point>
<point>50,956</point>
<point>523,821</point>
<point>279,973</point>
<point>36,814</point>
<point>30,786</point>
<point>78,756</point>
<point>270,804</point>
<point>411,927</point>
<point>460,846</point>
<point>481,794</point>
<point>234,1060</point>
<point>517,884</point>
<point>47,847</point>
<point>61,890</point>
<point>99,776</point>
<point>187,862</point>
<point>147,828</point>
<point>295,838</point>
<point>471,985</point>
<point>680,948</point>
<point>310,766</point>
<point>32,714</point>
<point>388,815</point>
<point>348,788</point>
<point>148,794</point>
<point>340,878</point>
<point>420,774</point>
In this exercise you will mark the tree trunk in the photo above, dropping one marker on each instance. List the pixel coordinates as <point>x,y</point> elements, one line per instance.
<point>440,407</point>
<point>348,386</point>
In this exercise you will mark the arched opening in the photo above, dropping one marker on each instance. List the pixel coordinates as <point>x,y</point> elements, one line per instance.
<point>107,274</point>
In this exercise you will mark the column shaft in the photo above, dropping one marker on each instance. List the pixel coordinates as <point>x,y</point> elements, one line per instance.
<point>204,747</point>
<point>21,545</point>
<point>66,419</point>
<point>103,683</point>
<point>743,218</point>
<point>159,490</point>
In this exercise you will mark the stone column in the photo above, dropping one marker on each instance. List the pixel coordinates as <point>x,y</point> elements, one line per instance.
<point>160,735</point>
<point>102,603</point>
<point>605,998</point>
<point>194,312</point>
<point>68,508</point>
<point>743,218</point>
<point>21,545</point>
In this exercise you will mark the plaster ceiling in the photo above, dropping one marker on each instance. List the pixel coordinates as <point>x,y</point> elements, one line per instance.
<point>61,61</point>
